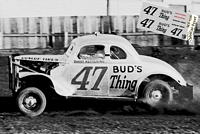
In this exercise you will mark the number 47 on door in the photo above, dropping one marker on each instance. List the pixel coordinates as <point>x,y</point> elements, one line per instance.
<point>84,82</point>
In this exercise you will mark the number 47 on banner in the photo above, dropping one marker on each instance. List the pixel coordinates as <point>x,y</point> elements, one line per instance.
<point>167,21</point>
<point>147,23</point>
<point>150,10</point>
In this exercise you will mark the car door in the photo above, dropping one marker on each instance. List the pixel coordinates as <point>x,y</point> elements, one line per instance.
<point>124,72</point>
<point>89,71</point>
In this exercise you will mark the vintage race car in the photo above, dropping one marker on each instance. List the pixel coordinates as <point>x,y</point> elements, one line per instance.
<point>99,66</point>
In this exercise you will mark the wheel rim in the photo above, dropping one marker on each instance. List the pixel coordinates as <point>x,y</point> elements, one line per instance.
<point>158,94</point>
<point>31,101</point>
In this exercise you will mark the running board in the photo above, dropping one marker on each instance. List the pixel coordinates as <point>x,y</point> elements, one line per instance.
<point>102,97</point>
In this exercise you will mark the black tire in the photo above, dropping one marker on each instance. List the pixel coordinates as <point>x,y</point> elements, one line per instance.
<point>31,101</point>
<point>157,92</point>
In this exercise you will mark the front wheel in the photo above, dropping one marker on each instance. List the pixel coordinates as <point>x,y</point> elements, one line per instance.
<point>158,92</point>
<point>31,101</point>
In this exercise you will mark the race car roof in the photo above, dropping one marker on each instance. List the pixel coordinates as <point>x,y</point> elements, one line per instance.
<point>101,38</point>
<point>105,38</point>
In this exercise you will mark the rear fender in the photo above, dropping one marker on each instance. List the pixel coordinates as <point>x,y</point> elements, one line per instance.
<point>60,86</point>
<point>141,79</point>
<point>179,79</point>
<point>184,89</point>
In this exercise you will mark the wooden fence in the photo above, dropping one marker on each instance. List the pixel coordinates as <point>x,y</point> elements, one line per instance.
<point>56,32</point>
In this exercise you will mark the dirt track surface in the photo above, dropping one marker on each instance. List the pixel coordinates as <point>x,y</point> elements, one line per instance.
<point>98,117</point>
<point>62,123</point>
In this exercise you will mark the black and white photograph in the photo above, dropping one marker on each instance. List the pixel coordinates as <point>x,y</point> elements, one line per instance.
<point>99,67</point>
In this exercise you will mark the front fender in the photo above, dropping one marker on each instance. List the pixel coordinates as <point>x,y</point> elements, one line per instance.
<point>60,86</point>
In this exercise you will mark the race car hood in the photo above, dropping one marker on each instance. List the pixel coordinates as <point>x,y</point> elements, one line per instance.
<point>45,58</point>
<point>166,68</point>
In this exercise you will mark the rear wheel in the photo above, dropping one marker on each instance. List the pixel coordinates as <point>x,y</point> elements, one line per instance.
<point>158,92</point>
<point>31,101</point>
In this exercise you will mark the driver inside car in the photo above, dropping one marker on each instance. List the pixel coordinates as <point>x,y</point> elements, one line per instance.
<point>98,53</point>
<point>114,52</point>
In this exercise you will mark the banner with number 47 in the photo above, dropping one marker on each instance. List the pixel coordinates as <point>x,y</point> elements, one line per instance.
<point>167,21</point>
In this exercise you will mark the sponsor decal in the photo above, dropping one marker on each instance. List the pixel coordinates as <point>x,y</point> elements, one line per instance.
<point>167,21</point>
<point>120,82</point>
<point>191,26</point>
<point>88,61</point>
<point>127,69</point>
<point>164,14</point>
<point>49,59</point>
<point>30,58</point>
<point>40,59</point>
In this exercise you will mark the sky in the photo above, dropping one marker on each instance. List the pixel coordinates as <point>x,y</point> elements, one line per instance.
<point>40,8</point>
<point>46,8</point>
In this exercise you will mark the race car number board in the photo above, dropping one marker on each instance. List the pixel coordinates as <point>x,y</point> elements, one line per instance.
<point>167,21</point>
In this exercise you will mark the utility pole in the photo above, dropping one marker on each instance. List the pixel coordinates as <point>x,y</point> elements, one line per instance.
<point>108,7</point>
<point>108,22</point>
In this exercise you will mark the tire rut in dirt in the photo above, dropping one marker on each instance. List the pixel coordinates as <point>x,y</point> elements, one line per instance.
<point>100,116</point>
<point>80,106</point>
<point>2,126</point>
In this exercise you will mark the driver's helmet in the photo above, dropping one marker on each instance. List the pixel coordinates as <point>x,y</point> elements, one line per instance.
<point>100,54</point>
<point>114,50</point>
<point>99,51</point>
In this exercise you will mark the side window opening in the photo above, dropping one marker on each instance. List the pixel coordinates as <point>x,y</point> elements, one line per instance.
<point>117,53</point>
<point>92,52</point>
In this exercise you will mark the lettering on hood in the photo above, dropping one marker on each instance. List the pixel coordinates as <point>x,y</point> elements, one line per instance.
<point>40,59</point>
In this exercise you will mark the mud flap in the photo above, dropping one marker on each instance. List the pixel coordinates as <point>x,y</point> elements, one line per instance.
<point>185,93</point>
